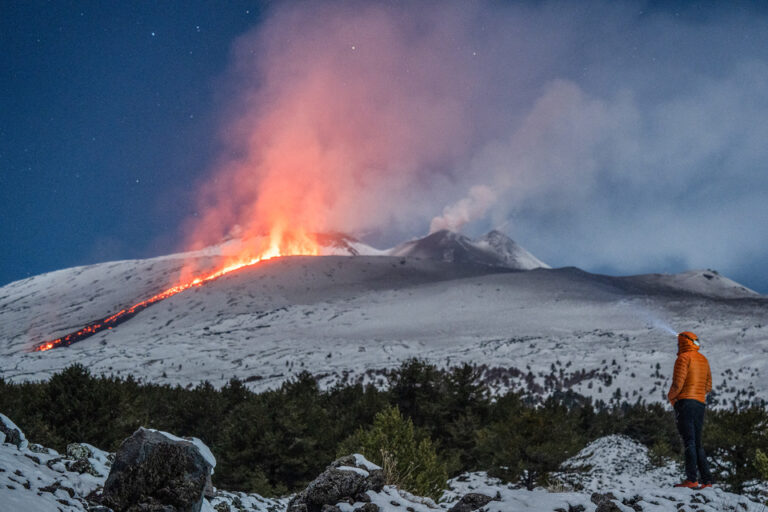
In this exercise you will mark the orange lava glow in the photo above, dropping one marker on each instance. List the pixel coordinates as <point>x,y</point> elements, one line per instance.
<point>276,245</point>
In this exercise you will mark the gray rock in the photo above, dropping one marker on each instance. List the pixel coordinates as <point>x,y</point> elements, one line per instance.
<point>153,473</point>
<point>38,448</point>
<point>605,502</point>
<point>471,501</point>
<point>368,507</point>
<point>335,485</point>
<point>12,435</point>
<point>82,466</point>
<point>78,451</point>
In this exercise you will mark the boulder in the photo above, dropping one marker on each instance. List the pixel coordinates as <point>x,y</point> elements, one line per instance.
<point>471,501</point>
<point>155,472</point>
<point>605,502</point>
<point>368,507</point>
<point>81,454</point>
<point>347,479</point>
<point>10,433</point>
<point>78,451</point>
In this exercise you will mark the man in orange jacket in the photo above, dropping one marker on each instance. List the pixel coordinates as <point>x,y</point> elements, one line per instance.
<point>691,382</point>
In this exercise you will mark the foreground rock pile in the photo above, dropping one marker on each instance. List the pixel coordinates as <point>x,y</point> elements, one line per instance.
<point>158,472</point>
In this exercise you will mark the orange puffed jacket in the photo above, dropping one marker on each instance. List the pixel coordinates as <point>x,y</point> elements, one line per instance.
<point>692,377</point>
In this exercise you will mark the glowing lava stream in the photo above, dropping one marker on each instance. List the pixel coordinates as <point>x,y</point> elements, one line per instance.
<point>125,314</point>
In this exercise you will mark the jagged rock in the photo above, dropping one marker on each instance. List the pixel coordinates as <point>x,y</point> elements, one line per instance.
<point>154,473</point>
<point>81,453</point>
<point>471,501</point>
<point>10,433</point>
<point>78,451</point>
<point>605,502</point>
<point>572,508</point>
<point>38,448</point>
<point>346,479</point>
<point>209,491</point>
<point>368,507</point>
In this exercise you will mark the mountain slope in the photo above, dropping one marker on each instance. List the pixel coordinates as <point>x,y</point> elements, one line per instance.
<point>351,317</point>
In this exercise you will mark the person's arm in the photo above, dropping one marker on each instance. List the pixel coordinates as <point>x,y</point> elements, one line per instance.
<point>678,378</point>
<point>708,387</point>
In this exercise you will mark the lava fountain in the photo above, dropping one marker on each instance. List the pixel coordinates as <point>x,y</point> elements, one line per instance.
<point>277,244</point>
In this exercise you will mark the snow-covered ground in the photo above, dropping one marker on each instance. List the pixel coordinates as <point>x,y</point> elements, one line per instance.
<point>345,317</point>
<point>37,479</point>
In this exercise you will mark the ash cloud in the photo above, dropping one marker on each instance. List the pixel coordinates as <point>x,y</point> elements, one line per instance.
<point>613,135</point>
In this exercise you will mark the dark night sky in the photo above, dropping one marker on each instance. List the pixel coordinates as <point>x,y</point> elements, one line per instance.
<point>107,117</point>
<point>110,113</point>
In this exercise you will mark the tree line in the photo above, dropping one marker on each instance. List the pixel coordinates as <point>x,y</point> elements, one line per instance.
<point>276,441</point>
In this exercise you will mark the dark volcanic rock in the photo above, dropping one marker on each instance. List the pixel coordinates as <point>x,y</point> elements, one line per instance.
<point>471,501</point>
<point>12,435</point>
<point>605,502</point>
<point>154,473</point>
<point>337,484</point>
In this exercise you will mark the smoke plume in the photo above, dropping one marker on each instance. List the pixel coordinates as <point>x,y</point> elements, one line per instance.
<point>610,134</point>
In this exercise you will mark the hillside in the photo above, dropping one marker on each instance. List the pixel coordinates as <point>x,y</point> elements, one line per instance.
<point>350,317</point>
<point>599,478</point>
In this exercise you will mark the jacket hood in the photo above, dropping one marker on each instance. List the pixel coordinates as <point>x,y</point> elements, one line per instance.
<point>686,342</point>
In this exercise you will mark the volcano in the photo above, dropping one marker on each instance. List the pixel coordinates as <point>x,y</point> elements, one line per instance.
<point>494,249</point>
<point>358,311</point>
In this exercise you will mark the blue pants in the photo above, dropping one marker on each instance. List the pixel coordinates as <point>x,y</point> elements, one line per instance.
<point>690,419</point>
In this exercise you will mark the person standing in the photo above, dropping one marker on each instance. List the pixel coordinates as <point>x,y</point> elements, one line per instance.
<point>691,382</point>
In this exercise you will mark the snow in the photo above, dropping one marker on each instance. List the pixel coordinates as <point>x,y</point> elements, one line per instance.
<point>39,481</point>
<point>354,470</point>
<point>361,461</point>
<point>614,464</point>
<point>10,425</point>
<point>202,448</point>
<point>619,463</point>
<point>705,282</point>
<point>354,317</point>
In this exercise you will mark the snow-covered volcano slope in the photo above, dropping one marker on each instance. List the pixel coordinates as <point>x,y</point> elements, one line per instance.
<point>350,317</point>
<point>493,249</point>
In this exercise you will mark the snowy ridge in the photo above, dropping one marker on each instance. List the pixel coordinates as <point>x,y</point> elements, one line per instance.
<point>511,253</point>
<point>493,249</point>
<point>616,462</point>
<point>704,282</point>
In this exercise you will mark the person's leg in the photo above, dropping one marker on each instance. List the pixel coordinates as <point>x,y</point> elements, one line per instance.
<point>686,428</point>
<point>701,457</point>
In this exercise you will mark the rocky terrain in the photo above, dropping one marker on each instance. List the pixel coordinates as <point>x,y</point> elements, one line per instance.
<point>158,471</point>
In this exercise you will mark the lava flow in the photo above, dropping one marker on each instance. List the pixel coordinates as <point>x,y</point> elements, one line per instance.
<point>278,246</point>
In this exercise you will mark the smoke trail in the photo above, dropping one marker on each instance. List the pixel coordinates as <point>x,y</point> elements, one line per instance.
<point>582,125</point>
<point>472,207</point>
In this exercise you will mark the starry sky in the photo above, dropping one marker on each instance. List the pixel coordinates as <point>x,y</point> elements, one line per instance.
<point>112,114</point>
<point>106,123</point>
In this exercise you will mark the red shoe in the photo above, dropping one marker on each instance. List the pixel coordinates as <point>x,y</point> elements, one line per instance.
<point>703,486</point>
<point>688,484</point>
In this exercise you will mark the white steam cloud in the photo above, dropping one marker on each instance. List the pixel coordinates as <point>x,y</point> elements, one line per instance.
<point>608,134</point>
<point>473,207</point>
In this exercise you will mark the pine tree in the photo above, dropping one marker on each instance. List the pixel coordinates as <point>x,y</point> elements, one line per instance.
<point>409,459</point>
